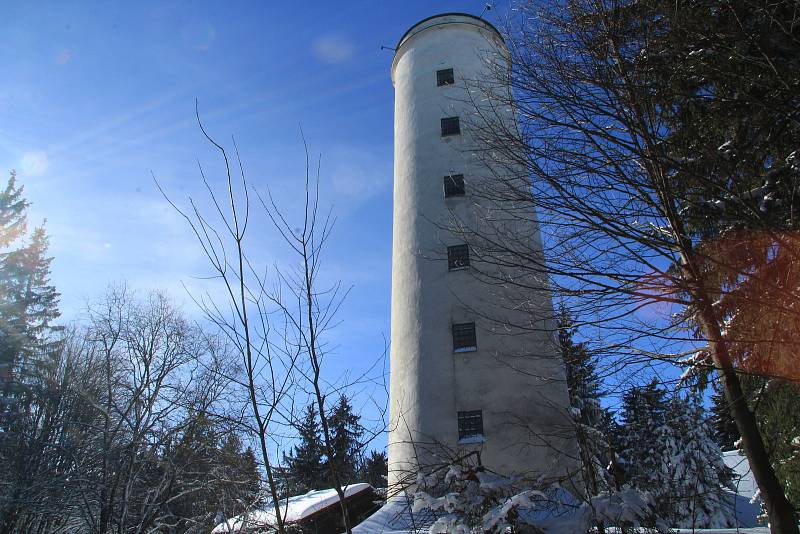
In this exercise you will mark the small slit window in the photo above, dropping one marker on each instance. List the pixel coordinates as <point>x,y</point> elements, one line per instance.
<point>454,185</point>
<point>470,424</point>
<point>464,339</point>
<point>457,257</point>
<point>450,126</point>
<point>444,77</point>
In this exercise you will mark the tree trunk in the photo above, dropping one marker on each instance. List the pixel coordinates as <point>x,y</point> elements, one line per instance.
<point>781,513</point>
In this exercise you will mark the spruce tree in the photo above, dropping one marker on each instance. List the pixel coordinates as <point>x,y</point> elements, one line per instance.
<point>724,428</point>
<point>668,451</point>
<point>374,469</point>
<point>724,79</point>
<point>646,443</point>
<point>700,477</point>
<point>12,212</point>
<point>13,225</point>
<point>209,475</point>
<point>590,418</point>
<point>346,434</point>
<point>28,303</point>
<point>247,481</point>
<point>29,348</point>
<point>305,469</point>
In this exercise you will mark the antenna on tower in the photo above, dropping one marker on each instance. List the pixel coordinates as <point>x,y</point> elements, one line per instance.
<point>486,7</point>
<point>388,48</point>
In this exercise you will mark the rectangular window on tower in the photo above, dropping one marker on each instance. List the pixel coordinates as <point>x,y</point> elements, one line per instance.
<point>444,77</point>
<point>454,185</point>
<point>464,339</point>
<point>450,126</point>
<point>470,425</point>
<point>457,257</point>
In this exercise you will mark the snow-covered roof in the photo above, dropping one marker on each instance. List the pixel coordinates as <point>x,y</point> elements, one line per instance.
<point>395,517</point>
<point>296,509</point>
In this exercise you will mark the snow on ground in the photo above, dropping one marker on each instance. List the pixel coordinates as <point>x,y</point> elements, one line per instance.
<point>296,509</point>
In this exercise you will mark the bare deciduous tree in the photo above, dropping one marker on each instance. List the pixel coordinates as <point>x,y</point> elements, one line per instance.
<point>145,372</point>
<point>277,324</point>
<point>618,197</point>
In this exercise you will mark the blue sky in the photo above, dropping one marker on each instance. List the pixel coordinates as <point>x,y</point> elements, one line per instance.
<point>95,96</point>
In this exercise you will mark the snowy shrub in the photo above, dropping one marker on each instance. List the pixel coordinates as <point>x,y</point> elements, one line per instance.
<point>472,500</point>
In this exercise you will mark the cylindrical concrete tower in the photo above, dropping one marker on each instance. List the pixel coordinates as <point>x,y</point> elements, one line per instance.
<point>463,375</point>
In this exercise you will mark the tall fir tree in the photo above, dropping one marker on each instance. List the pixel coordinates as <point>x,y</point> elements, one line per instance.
<point>29,349</point>
<point>700,479</point>
<point>28,303</point>
<point>13,225</point>
<point>305,469</point>
<point>724,428</point>
<point>592,421</point>
<point>210,476</point>
<point>374,470</point>
<point>718,81</point>
<point>13,222</point>
<point>668,451</point>
<point>242,462</point>
<point>346,434</point>
<point>644,442</point>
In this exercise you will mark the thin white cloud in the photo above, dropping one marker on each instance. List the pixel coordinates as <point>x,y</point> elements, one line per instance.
<point>356,173</point>
<point>63,56</point>
<point>34,163</point>
<point>198,35</point>
<point>333,49</point>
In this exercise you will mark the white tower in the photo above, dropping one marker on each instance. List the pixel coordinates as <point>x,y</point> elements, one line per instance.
<point>462,378</point>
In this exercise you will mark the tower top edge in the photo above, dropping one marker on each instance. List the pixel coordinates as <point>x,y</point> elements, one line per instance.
<point>454,17</point>
<point>445,19</point>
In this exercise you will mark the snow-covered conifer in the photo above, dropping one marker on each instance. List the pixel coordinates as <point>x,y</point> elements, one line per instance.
<point>699,473</point>
<point>590,418</point>
<point>668,451</point>
<point>646,441</point>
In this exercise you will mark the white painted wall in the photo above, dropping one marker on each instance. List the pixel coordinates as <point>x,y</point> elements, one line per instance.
<point>516,380</point>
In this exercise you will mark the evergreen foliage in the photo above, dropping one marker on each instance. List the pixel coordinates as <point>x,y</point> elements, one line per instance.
<point>375,469</point>
<point>725,78</point>
<point>699,476</point>
<point>668,452</point>
<point>643,443</point>
<point>13,222</point>
<point>28,304</point>
<point>779,418</point>
<point>29,357</point>
<point>673,180</point>
<point>307,466</point>
<point>214,476</point>
<point>305,469</point>
<point>592,421</point>
<point>725,432</point>
<point>346,434</point>
<point>775,402</point>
